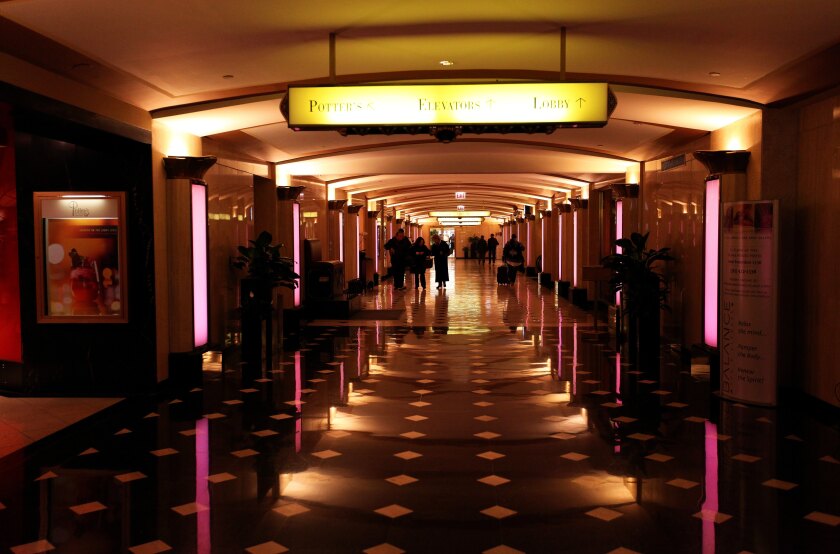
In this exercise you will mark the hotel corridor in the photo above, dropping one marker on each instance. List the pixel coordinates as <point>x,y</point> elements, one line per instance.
<point>476,419</point>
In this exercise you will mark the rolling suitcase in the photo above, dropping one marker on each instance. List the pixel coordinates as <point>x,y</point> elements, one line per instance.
<point>502,275</point>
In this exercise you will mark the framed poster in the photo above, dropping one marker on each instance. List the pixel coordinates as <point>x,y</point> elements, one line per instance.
<point>80,256</point>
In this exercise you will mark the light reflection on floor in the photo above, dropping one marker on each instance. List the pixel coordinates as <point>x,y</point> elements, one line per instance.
<point>480,421</point>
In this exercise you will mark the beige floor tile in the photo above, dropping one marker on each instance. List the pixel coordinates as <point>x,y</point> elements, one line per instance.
<point>88,508</point>
<point>493,480</point>
<point>825,519</point>
<point>269,547</point>
<point>498,512</point>
<point>189,509</point>
<point>401,480</point>
<point>291,509</point>
<point>326,454</point>
<point>383,548</point>
<point>393,511</point>
<point>153,547</point>
<point>574,456</point>
<point>604,514</point>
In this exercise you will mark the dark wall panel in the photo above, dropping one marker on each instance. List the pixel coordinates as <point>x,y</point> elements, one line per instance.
<point>56,155</point>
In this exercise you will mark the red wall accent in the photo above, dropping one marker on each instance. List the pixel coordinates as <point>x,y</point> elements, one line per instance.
<point>10,343</point>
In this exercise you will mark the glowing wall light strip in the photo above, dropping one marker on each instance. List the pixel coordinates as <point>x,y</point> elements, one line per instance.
<point>619,230</point>
<point>710,285</point>
<point>358,248</point>
<point>199,259</point>
<point>341,236</point>
<point>542,242</point>
<point>560,220</point>
<point>296,247</point>
<point>202,485</point>
<point>575,249</point>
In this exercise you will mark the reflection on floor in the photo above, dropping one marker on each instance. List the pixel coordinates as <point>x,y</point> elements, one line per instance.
<point>481,421</point>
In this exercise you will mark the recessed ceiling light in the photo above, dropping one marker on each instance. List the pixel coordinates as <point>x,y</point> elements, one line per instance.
<point>714,74</point>
<point>446,63</point>
<point>227,76</point>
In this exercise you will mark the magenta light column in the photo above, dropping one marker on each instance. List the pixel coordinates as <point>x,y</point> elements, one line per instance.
<point>549,247</point>
<point>187,247</point>
<point>727,181</point>
<point>335,230</point>
<point>290,236</point>
<point>711,221</point>
<point>371,246</point>
<point>352,230</point>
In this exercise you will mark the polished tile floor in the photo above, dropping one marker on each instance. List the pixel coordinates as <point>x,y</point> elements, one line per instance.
<point>476,419</point>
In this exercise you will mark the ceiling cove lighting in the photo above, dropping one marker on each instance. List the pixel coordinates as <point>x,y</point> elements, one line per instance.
<point>469,221</point>
<point>474,213</point>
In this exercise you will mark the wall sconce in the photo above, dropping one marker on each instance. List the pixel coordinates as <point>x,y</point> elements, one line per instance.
<point>580,203</point>
<point>625,190</point>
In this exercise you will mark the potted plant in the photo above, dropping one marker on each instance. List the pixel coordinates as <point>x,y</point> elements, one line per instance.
<point>266,269</point>
<point>644,292</point>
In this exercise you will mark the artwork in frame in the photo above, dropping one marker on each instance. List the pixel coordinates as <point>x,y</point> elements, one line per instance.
<point>81,266</point>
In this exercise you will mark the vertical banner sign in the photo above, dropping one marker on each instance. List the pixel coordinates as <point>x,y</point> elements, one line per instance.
<point>749,301</point>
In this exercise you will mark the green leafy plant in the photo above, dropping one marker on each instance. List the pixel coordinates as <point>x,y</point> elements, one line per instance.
<point>644,289</point>
<point>264,262</point>
<point>644,292</point>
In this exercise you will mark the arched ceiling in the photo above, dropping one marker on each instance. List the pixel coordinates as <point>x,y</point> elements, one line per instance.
<point>218,69</point>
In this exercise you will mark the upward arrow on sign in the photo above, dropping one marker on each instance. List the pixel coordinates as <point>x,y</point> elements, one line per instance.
<point>580,102</point>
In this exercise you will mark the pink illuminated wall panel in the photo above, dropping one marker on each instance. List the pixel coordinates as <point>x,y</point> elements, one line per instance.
<point>296,247</point>
<point>10,335</point>
<point>199,255</point>
<point>341,236</point>
<point>575,253</point>
<point>710,292</point>
<point>619,232</point>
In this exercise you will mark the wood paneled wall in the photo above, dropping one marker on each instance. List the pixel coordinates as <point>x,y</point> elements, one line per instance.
<point>817,307</point>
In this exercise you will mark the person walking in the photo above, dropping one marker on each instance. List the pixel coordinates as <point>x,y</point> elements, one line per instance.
<point>513,258</point>
<point>420,254</point>
<point>440,254</point>
<point>481,247</point>
<point>399,248</point>
<point>492,244</point>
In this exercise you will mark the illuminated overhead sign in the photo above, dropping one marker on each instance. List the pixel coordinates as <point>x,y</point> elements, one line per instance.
<point>457,108</point>
<point>477,213</point>
<point>460,195</point>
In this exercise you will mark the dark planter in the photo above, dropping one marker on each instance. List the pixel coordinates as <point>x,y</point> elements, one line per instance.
<point>256,301</point>
<point>563,288</point>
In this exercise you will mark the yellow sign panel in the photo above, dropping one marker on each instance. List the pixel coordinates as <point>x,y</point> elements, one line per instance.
<point>472,104</point>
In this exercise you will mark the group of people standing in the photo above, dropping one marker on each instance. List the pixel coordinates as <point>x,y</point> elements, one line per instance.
<point>418,258</point>
<point>486,248</point>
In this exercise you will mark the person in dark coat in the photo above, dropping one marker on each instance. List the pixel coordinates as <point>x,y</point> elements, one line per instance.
<point>440,253</point>
<point>399,247</point>
<point>492,244</point>
<point>419,254</point>
<point>481,248</point>
<point>513,257</point>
